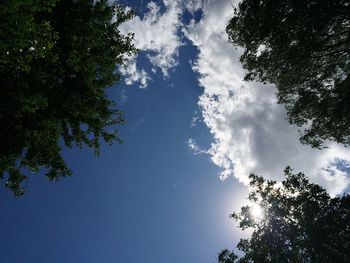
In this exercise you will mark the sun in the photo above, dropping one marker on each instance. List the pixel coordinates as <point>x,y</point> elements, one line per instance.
<point>256,211</point>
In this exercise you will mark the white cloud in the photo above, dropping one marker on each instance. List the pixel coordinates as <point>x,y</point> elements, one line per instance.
<point>194,5</point>
<point>195,119</point>
<point>194,147</point>
<point>133,74</point>
<point>250,130</point>
<point>157,35</point>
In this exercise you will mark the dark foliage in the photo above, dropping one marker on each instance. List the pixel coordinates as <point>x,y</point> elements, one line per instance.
<point>300,223</point>
<point>303,47</point>
<point>57,58</point>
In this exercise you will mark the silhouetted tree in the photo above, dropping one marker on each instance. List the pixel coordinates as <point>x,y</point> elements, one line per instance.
<point>227,256</point>
<point>300,222</point>
<point>57,58</point>
<point>304,48</point>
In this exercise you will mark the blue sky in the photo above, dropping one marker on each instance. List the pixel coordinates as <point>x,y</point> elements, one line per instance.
<point>191,123</point>
<point>148,200</point>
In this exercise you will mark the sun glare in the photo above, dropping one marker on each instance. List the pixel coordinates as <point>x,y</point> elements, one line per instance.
<point>256,211</point>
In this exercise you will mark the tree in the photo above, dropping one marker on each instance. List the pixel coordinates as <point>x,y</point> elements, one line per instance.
<point>300,223</point>
<point>303,47</point>
<point>57,59</point>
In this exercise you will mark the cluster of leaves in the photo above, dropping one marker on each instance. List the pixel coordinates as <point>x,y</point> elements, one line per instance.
<point>57,58</point>
<point>303,47</point>
<point>301,223</point>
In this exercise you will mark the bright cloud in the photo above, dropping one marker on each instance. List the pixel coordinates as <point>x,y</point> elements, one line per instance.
<point>133,74</point>
<point>156,34</point>
<point>250,130</point>
<point>194,147</point>
<point>194,5</point>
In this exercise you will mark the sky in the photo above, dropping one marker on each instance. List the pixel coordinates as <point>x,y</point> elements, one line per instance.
<point>194,132</point>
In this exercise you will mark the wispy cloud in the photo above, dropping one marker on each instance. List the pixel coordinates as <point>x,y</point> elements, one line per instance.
<point>195,119</point>
<point>133,74</point>
<point>156,34</point>
<point>194,147</point>
<point>193,5</point>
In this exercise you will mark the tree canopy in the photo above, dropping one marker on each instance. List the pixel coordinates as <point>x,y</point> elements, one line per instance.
<point>303,47</point>
<point>57,58</point>
<point>300,222</point>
